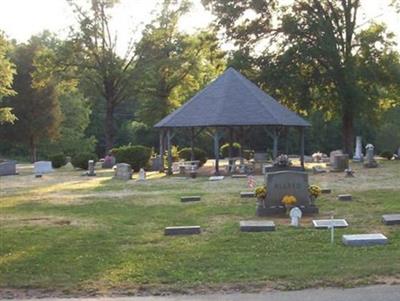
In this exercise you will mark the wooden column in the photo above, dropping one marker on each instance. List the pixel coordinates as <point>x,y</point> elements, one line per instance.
<point>275,147</point>
<point>161,150</point>
<point>241,141</point>
<point>191,144</point>
<point>169,146</point>
<point>230,150</point>
<point>216,151</point>
<point>302,147</point>
<point>287,141</point>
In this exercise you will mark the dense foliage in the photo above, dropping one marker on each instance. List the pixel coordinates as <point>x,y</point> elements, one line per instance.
<point>137,156</point>
<point>81,160</point>
<point>224,150</point>
<point>58,160</point>
<point>199,154</point>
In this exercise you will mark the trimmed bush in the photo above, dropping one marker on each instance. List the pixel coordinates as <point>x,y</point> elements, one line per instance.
<point>199,154</point>
<point>81,160</point>
<point>224,150</point>
<point>387,154</point>
<point>137,156</point>
<point>58,160</point>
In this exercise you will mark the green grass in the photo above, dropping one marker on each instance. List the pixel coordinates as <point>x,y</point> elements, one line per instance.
<point>77,234</point>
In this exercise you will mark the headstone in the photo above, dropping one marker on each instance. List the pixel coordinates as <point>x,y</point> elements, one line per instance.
<point>358,155</point>
<point>364,239</point>
<point>42,167</point>
<point>391,219</point>
<point>216,178</point>
<point>109,162</point>
<point>192,198</point>
<point>123,171</point>
<point>333,154</point>
<point>257,226</point>
<point>182,230</point>
<point>283,183</point>
<point>344,197</point>
<point>295,216</point>
<point>8,168</point>
<point>340,162</point>
<point>91,172</point>
<point>156,163</point>
<point>247,194</point>
<point>142,175</point>
<point>328,223</point>
<point>369,157</point>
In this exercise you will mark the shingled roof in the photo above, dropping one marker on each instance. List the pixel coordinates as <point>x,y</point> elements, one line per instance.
<point>231,100</point>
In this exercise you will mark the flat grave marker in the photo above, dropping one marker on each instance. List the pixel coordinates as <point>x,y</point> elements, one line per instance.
<point>247,194</point>
<point>326,190</point>
<point>256,226</point>
<point>327,223</point>
<point>391,219</point>
<point>344,197</point>
<point>216,178</point>
<point>364,239</point>
<point>190,198</point>
<point>240,176</point>
<point>182,230</point>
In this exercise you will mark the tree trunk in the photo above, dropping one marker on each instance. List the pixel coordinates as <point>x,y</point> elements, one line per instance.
<point>348,132</point>
<point>109,126</point>
<point>33,149</point>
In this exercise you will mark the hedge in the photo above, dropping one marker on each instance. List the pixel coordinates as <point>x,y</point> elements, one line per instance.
<point>137,156</point>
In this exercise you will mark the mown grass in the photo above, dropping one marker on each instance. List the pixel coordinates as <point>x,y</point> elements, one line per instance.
<point>77,234</point>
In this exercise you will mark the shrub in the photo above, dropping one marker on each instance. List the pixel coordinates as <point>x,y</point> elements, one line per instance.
<point>137,156</point>
<point>81,160</point>
<point>224,150</point>
<point>58,160</point>
<point>199,154</point>
<point>386,154</point>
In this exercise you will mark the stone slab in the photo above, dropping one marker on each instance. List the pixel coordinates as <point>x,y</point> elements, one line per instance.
<point>182,230</point>
<point>216,178</point>
<point>364,239</point>
<point>326,190</point>
<point>344,197</point>
<point>239,176</point>
<point>257,226</point>
<point>267,211</point>
<point>42,167</point>
<point>190,198</point>
<point>391,219</point>
<point>247,194</point>
<point>8,168</point>
<point>327,223</point>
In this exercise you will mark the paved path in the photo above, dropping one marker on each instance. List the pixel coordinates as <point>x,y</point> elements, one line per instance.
<point>369,293</point>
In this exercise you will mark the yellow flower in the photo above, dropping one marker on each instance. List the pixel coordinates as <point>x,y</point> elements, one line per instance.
<point>289,200</point>
<point>261,192</point>
<point>314,190</point>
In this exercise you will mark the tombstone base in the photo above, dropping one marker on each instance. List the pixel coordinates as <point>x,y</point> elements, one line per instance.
<point>309,209</point>
<point>267,211</point>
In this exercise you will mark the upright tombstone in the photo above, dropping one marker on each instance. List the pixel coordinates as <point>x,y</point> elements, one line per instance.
<point>91,172</point>
<point>340,163</point>
<point>333,154</point>
<point>369,161</point>
<point>142,175</point>
<point>156,163</point>
<point>282,183</point>
<point>358,155</point>
<point>42,167</point>
<point>8,168</point>
<point>109,162</point>
<point>123,171</point>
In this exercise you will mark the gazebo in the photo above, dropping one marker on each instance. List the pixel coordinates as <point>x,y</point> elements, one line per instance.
<point>229,102</point>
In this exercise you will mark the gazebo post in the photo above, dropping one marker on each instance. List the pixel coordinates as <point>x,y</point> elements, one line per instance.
<point>302,147</point>
<point>192,144</point>
<point>161,150</point>
<point>275,147</point>
<point>216,151</point>
<point>169,146</point>
<point>241,139</point>
<point>230,153</point>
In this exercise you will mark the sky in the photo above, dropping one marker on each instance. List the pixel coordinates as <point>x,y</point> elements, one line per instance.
<point>20,19</point>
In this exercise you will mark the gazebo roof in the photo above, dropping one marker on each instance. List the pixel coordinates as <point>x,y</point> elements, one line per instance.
<point>231,100</point>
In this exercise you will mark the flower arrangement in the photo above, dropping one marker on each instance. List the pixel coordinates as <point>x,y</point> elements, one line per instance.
<point>289,200</point>
<point>314,190</point>
<point>261,192</point>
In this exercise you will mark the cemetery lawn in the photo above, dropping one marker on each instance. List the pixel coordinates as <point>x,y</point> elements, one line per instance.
<point>72,235</point>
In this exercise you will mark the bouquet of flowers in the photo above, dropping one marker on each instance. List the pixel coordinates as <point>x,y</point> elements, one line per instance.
<point>314,190</point>
<point>261,192</point>
<point>289,200</point>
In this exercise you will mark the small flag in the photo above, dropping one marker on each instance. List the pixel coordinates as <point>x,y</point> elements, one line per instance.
<point>251,181</point>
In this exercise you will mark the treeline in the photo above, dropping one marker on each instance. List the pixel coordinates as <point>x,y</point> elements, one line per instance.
<point>79,95</point>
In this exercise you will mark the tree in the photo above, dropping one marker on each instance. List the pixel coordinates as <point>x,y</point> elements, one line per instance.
<point>321,59</point>
<point>36,103</point>
<point>7,71</point>
<point>94,52</point>
<point>172,65</point>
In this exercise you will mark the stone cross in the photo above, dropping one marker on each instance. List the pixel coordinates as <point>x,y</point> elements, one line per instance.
<point>295,215</point>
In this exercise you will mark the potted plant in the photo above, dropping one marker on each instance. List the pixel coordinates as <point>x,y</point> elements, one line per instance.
<point>261,194</point>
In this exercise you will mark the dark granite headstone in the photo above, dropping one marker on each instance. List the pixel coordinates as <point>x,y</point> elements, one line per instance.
<point>192,198</point>
<point>8,168</point>
<point>344,197</point>
<point>182,230</point>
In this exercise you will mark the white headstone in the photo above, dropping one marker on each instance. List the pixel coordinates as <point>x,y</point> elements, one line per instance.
<point>41,167</point>
<point>142,175</point>
<point>358,155</point>
<point>295,215</point>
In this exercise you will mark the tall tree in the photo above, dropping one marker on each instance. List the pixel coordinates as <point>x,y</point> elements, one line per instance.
<point>171,64</point>
<point>36,103</point>
<point>7,71</point>
<point>320,55</point>
<point>94,49</point>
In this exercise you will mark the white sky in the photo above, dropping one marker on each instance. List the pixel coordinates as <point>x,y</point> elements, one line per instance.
<point>20,19</point>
